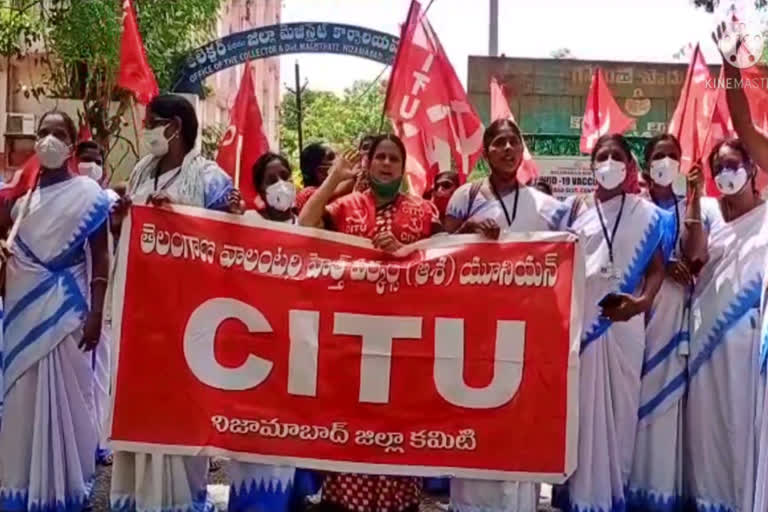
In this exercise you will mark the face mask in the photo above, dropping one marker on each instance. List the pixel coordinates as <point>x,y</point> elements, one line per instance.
<point>611,173</point>
<point>664,171</point>
<point>51,152</point>
<point>281,195</point>
<point>155,141</point>
<point>386,190</point>
<point>91,170</point>
<point>731,181</point>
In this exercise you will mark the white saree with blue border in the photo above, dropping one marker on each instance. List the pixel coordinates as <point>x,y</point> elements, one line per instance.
<point>761,481</point>
<point>725,390</point>
<point>155,482</point>
<point>49,433</point>
<point>656,481</point>
<point>611,353</point>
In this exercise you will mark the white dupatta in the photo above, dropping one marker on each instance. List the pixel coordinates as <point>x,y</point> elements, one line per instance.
<point>46,290</point>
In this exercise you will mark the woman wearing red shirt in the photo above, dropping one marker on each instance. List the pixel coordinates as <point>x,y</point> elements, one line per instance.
<point>390,219</point>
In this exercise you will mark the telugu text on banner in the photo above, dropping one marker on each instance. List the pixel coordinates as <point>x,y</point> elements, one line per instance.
<point>270,343</point>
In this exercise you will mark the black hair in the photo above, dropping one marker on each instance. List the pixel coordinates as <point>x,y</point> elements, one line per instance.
<point>169,106</point>
<point>616,138</point>
<point>84,146</point>
<point>260,167</point>
<point>366,138</point>
<point>69,124</point>
<point>497,126</point>
<point>311,158</point>
<point>391,138</point>
<point>733,143</point>
<point>543,186</point>
<point>453,175</point>
<point>655,141</point>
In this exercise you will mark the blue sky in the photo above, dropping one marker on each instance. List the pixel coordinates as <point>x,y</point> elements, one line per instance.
<point>639,30</point>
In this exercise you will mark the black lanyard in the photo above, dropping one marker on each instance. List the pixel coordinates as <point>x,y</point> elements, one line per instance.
<point>504,206</point>
<point>677,227</point>
<point>609,240</point>
<point>167,183</point>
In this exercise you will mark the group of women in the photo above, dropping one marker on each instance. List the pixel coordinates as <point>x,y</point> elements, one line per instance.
<point>673,412</point>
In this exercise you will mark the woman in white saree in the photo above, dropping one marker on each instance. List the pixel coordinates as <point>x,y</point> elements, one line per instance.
<point>175,173</point>
<point>495,204</point>
<point>622,236</point>
<point>53,313</point>
<point>656,481</point>
<point>725,389</point>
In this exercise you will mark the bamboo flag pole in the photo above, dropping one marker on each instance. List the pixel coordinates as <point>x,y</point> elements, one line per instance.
<point>238,155</point>
<point>135,124</point>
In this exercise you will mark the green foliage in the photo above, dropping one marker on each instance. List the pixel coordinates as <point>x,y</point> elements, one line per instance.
<point>211,136</point>
<point>171,29</point>
<point>18,27</point>
<point>338,120</point>
<point>81,43</point>
<point>710,5</point>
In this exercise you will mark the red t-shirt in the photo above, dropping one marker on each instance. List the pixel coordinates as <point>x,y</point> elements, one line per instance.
<point>303,196</point>
<point>408,218</point>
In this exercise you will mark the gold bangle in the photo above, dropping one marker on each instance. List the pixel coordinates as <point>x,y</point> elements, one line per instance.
<point>693,221</point>
<point>99,280</point>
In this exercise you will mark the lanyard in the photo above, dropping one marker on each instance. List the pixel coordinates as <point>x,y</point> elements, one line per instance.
<point>677,227</point>
<point>504,206</point>
<point>609,240</point>
<point>167,183</point>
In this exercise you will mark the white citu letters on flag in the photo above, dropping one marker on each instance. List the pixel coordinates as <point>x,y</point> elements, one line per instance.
<point>429,108</point>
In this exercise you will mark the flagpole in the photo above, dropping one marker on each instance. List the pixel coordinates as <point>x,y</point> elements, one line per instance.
<point>689,79</point>
<point>299,116</point>
<point>403,30</point>
<point>238,155</point>
<point>135,124</point>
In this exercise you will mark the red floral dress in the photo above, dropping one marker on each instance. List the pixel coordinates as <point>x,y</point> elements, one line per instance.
<point>409,219</point>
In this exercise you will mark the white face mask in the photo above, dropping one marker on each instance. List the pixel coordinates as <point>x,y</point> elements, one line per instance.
<point>51,152</point>
<point>611,173</point>
<point>665,171</point>
<point>731,181</point>
<point>91,170</point>
<point>281,195</point>
<point>155,141</point>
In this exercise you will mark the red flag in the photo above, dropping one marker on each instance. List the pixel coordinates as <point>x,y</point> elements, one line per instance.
<point>528,170</point>
<point>84,133</point>
<point>602,115</point>
<point>244,141</point>
<point>22,180</point>
<point>135,74</point>
<point>429,107</point>
<point>694,113</point>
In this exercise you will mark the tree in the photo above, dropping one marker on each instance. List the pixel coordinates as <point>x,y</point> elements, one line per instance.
<point>710,5</point>
<point>561,53</point>
<point>81,40</point>
<point>340,120</point>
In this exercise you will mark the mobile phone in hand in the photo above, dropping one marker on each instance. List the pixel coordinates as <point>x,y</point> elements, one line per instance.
<point>610,301</point>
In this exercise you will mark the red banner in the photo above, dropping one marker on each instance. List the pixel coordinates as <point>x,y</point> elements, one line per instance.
<point>270,343</point>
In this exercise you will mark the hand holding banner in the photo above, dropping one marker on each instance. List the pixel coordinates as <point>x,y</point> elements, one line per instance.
<point>303,347</point>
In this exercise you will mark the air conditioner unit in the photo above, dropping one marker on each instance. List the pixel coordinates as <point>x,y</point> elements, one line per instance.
<point>19,124</point>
